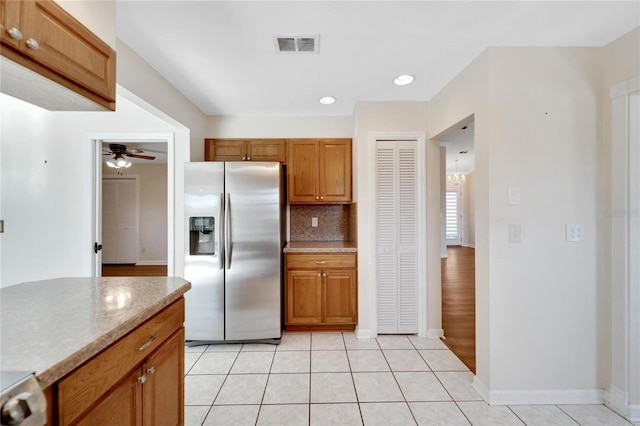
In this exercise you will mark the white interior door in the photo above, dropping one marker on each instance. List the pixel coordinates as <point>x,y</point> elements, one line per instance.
<point>120,205</point>
<point>397,237</point>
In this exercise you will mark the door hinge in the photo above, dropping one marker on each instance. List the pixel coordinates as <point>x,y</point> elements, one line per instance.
<point>97,247</point>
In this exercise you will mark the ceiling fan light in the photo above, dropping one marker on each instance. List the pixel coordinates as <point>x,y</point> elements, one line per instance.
<point>111,164</point>
<point>129,164</point>
<point>121,162</point>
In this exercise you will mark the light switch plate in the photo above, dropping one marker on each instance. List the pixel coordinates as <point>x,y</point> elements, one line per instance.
<point>575,232</point>
<point>514,196</point>
<point>314,222</point>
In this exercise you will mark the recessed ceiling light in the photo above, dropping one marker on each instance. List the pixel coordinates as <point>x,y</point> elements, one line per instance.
<point>327,100</point>
<point>403,80</point>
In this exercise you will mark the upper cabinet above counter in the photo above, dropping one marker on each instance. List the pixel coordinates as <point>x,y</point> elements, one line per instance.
<point>52,60</point>
<point>318,170</point>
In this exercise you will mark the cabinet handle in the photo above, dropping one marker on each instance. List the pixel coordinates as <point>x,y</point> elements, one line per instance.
<point>151,370</point>
<point>33,44</point>
<point>15,33</point>
<point>146,345</point>
<point>142,379</point>
<point>321,262</point>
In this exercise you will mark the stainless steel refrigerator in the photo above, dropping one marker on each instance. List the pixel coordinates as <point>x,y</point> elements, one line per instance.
<point>234,216</point>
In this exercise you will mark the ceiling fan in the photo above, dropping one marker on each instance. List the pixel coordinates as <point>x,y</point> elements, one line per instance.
<point>119,152</point>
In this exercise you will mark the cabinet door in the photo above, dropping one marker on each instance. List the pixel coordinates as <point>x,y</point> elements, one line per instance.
<point>163,391</point>
<point>335,171</point>
<point>266,150</point>
<point>121,406</point>
<point>10,18</point>
<point>339,297</point>
<point>302,171</point>
<point>225,150</point>
<point>67,47</point>
<point>304,297</point>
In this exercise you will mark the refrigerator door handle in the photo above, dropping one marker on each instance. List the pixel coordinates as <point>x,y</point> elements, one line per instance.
<point>227,231</point>
<point>219,232</point>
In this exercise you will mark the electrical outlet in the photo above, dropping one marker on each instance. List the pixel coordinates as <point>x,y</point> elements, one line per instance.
<point>575,232</point>
<point>515,233</point>
<point>144,250</point>
<point>314,222</point>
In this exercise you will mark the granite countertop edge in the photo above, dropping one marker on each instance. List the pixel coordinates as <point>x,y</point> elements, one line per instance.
<point>57,371</point>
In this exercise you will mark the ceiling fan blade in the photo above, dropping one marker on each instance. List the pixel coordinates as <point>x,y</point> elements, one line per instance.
<point>144,157</point>
<point>134,151</point>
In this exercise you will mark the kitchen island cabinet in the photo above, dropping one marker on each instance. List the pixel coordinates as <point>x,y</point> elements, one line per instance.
<point>104,350</point>
<point>319,171</point>
<point>321,291</point>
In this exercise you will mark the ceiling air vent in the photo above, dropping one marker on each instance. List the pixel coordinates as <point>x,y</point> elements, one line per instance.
<point>298,44</point>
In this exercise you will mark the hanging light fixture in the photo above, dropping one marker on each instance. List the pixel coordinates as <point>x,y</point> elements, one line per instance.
<point>118,162</point>
<point>456,178</point>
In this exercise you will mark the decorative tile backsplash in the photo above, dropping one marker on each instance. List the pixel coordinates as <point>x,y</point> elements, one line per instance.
<point>334,222</point>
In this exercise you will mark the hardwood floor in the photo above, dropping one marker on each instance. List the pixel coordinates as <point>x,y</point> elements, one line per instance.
<point>459,303</point>
<point>134,271</point>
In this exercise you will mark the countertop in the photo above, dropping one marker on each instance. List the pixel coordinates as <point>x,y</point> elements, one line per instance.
<point>50,327</point>
<point>320,247</point>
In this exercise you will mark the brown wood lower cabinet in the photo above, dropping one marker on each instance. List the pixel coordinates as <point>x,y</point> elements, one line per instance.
<point>139,380</point>
<point>321,291</point>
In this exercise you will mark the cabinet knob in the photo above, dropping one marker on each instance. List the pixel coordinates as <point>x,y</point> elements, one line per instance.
<point>319,274</point>
<point>244,158</point>
<point>142,379</point>
<point>33,44</point>
<point>151,370</point>
<point>317,198</point>
<point>15,33</point>
<point>322,198</point>
<point>248,158</point>
<point>324,274</point>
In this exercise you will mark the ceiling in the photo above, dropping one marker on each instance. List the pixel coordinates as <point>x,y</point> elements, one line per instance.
<point>459,146</point>
<point>222,54</point>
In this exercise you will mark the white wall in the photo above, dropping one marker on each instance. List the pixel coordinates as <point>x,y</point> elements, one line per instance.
<point>152,243</point>
<point>468,209</point>
<point>46,186</point>
<point>219,126</point>
<point>393,117</point>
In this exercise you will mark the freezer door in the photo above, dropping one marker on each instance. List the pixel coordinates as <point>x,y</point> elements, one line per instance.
<point>204,250</point>
<point>253,280</point>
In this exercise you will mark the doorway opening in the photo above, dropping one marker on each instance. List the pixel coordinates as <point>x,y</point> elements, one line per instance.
<point>458,241</point>
<point>133,206</point>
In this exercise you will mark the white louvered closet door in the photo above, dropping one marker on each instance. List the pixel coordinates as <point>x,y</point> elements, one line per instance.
<point>397,237</point>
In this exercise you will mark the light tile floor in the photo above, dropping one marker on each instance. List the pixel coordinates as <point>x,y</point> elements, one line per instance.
<point>336,379</point>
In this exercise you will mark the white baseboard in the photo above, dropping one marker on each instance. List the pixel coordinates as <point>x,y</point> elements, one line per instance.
<point>363,333</point>
<point>435,333</point>
<point>481,388</point>
<point>617,400</point>
<point>546,397</point>
<point>151,262</point>
<point>473,246</point>
<point>634,413</point>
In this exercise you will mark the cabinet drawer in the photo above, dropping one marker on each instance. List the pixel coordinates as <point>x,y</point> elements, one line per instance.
<point>320,261</point>
<point>87,384</point>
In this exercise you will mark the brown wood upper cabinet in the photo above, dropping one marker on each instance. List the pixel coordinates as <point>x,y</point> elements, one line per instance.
<point>245,150</point>
<point>43,37</point>
<point>319,171</point>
